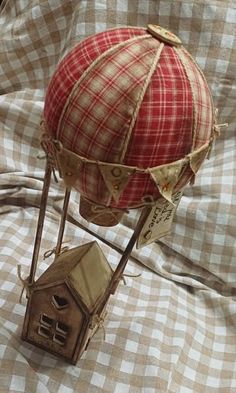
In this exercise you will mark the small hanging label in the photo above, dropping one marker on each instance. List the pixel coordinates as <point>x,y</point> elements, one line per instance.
<point>159,220</point>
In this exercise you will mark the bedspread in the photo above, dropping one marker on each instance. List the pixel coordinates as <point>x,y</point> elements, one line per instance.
<point>173,329</point>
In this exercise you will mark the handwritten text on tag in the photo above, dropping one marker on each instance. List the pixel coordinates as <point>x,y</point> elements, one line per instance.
<point>159,220</point>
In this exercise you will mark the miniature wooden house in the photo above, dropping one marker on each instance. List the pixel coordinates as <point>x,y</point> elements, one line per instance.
<point>66,304</point>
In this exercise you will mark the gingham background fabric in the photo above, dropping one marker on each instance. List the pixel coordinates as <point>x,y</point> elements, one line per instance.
<point>174,328</point>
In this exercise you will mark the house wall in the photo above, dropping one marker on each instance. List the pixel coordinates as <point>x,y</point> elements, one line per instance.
<point>61,325</point>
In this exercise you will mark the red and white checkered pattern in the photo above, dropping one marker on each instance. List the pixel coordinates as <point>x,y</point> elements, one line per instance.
<point>173,328</point>
<point>94,98</point>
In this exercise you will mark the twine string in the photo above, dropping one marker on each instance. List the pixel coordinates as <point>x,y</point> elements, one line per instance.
<point>129,275</point>
<point>25,284</point>
<point>52,251</point>
<point>98,322</point>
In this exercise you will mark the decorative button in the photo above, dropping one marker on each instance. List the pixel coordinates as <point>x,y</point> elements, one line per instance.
<point>116,172</point>
<point>164,35</point>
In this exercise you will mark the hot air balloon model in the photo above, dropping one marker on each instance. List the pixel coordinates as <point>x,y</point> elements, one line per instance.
<point>128,121</point>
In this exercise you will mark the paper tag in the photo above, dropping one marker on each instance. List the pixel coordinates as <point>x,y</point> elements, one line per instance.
<point>159,220</point>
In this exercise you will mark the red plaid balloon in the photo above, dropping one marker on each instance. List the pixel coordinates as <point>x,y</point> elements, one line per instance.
<point>126,96</point>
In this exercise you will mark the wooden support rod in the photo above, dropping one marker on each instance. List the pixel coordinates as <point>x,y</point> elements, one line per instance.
<point>42,211</point>
<point>63,221</point>
<point>117,275</point>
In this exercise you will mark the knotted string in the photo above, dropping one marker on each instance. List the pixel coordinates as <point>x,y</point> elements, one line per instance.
<point>216,130</point>
<point>98,321</point>
<point>98,210</point>
<point>129,275</point>
<point>25,284</point>
<point>50,150</point>
<point>51,162</point>
<point>52,251</point>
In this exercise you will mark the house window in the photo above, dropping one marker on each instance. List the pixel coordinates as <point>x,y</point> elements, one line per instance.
<point>59,302</point>
<point>61,328</point>
<point>53,330</point>
<point>44,332</point>
<point>59,339</point>
<point>46,321</point>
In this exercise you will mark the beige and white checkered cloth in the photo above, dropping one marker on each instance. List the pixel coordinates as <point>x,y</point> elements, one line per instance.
<point>174,328</point>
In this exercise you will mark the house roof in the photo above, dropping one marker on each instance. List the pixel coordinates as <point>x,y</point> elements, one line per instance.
<point>85,268</point>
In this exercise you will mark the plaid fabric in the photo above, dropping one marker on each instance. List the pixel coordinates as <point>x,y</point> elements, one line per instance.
<point>96,105</point>
<point>70,70</point>
<point>203,108</point>
<point>173,329</point>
